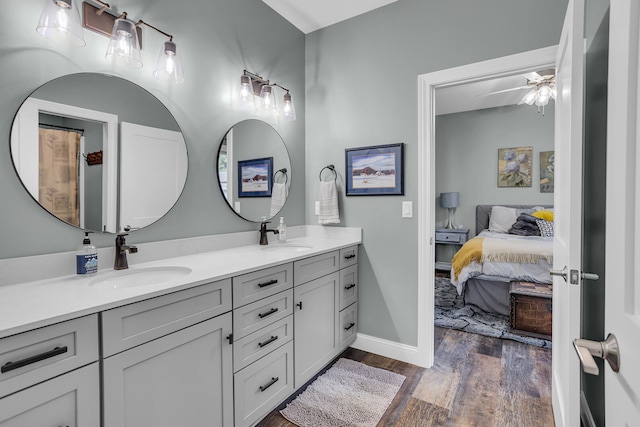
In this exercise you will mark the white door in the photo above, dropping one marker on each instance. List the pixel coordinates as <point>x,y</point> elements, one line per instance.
<point>153,170</point>
<point>568,217</point>
<point>622,300</point>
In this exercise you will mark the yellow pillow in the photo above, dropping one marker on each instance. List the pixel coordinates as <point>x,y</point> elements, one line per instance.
<point>544,214</point>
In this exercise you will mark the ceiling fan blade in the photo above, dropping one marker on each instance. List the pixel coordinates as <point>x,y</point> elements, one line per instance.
<point>505,90</point>
<point>532,76</point>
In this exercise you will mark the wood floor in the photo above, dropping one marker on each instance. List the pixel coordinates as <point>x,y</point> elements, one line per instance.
<point>475,381</point>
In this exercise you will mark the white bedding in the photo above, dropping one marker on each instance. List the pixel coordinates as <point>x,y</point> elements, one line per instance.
<point>528,272</point>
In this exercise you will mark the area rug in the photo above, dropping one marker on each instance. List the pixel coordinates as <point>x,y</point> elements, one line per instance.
<point>348,394</point>
<point>451,312</point>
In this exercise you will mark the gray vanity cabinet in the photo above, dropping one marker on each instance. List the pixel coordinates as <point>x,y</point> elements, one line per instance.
<point>50,376</point>
<point>168,360</point>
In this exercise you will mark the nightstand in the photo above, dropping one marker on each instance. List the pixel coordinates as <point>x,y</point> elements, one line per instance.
<point>450,236</point>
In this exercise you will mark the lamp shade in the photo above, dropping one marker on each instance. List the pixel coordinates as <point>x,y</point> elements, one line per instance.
<point>168,65</point>
<point>450,200</point>
<point>124,46</point>
<point>60,22</point>
<point>267,101</point>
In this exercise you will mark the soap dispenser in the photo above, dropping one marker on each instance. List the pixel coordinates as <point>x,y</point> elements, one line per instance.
<point>86,257</point>
<point>282,231</point>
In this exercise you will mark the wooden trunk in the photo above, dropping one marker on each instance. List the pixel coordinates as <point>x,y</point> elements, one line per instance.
<point>531,308</point>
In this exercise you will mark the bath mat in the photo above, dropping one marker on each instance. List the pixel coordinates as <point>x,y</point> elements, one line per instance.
<point>348,394</point>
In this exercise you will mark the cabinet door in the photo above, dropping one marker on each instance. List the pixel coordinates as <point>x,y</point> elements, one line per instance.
<point>315,325</point>
<point>182,379</point>
<point>70,400</point>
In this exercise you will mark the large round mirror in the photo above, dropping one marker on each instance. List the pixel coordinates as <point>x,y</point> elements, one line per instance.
<point>254,170</point>
<point>99,152</point>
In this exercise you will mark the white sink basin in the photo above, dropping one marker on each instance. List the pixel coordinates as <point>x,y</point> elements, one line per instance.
<point>283,247</point>
<point>140,277</point>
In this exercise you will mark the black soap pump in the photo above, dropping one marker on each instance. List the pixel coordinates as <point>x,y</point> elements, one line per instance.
<point>86,257</point>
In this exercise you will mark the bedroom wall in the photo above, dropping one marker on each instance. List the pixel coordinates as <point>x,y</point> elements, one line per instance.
<point>467,157</point>
<point>361,80</point>
<point>216,41</point>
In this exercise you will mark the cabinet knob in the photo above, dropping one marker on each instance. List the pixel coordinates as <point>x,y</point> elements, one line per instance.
<point>299,305</point>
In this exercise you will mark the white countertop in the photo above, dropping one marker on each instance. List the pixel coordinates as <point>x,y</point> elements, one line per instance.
<point>29,305</point>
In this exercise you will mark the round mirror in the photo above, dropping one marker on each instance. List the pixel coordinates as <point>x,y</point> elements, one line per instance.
<point>254,170</point>
<point>99,152</point>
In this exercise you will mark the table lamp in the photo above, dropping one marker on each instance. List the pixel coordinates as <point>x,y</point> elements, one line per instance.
<point>450,201</point>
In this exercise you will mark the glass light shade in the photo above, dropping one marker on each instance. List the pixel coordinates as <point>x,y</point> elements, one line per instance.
<point>288,109</point>
<point>60,22</point>
<point>244,97</point>
<point>530,97</point>
<point>542,100</point>
<point>268,101</point>
<point>124,47</point>
<point>168,65</point>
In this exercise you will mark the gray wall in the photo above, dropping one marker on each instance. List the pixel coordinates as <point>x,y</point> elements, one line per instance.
<point>467,157</point>
<point>216,41</point>
<point>361,79</point>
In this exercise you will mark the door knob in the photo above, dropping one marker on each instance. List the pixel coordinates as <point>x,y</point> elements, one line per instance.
<point>607,350</point>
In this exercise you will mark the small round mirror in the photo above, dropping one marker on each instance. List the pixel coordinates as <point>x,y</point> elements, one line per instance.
<point>254,170</point>
<point>99,152</point>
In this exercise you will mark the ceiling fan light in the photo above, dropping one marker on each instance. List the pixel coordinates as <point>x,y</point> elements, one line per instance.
<point>530,97</point>
<point>542,100</point>
<point>544,90</point>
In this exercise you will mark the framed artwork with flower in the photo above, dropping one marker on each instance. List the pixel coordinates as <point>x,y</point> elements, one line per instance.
<point>547,166</point>
<point>514,167</point>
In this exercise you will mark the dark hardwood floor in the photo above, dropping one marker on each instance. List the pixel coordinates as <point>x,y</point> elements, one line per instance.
<point>475,381</point>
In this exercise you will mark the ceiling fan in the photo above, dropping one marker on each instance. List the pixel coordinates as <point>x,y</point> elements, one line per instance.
<point>541,85</point>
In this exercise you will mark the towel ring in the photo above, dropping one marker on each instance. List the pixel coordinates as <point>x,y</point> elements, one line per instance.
<point>332,169</point>
<point>282,171</point>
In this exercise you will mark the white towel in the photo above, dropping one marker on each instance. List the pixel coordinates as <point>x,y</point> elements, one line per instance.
<point>328,210</point>
<point>278,197</point>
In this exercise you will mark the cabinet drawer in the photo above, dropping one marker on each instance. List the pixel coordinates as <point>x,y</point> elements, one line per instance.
<point>261,386</point>
<point>348,286</point>
<point>134,324</point>
<point>348,256</point>
<point>348,326</point>
<point>313,267</point>
<point>251,287</point>
<point>34,356</point>
<point>252,347</point>
<point>72,399</point>
<point>257,315</point>
<point>443,237</point>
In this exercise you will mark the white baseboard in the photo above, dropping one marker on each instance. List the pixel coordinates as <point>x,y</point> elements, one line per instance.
<point>402,352</point>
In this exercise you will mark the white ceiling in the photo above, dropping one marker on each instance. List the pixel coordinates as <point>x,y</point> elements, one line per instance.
<point>311,15</point>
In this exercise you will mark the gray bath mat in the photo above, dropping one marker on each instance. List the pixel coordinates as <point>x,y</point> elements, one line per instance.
<point>348,394</point>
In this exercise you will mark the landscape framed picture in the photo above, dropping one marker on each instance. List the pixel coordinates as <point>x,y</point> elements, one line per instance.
<point>514,167</point>
<point>255,177</point>
<point>375,171</point>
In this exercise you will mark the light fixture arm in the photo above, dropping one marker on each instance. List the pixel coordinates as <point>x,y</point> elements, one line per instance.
<point>141,22</point>
<point>104,7</point>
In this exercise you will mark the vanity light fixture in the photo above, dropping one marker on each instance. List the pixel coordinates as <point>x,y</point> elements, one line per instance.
<point>60,22</point>
<point>124,47</point>
<point>252,85</point>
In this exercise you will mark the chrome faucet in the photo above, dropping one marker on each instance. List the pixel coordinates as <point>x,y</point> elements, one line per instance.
<point>264,231</point>
<point>120,262</point>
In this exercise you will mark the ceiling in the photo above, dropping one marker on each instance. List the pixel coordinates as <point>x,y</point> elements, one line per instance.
<point>311,15</point>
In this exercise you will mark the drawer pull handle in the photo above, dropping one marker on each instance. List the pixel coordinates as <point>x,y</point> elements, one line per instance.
<point>269,283</point>
<point>267,342</point>
<point>299,305</point>
<point>10,366</point>
<point>351,325</point>
<point>272,382</point>
<point>349,256</point>
<point>268,313</point>
<point>353,285</point>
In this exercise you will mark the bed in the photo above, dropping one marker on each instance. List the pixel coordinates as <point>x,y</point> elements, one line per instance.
<point>484,267</point>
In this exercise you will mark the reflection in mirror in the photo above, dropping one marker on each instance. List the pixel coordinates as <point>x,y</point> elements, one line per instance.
<point>65,149</point>
<point>254,170</point>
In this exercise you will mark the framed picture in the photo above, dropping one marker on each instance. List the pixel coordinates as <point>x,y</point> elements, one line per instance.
<point>514,167</point>
<point>255,177</point>
<point>375,171</point>
<point>547,165</point>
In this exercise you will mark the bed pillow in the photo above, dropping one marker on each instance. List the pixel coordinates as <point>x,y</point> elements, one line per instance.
<point>502,218</point>
<point>546,228</point>
<point>545,214</point>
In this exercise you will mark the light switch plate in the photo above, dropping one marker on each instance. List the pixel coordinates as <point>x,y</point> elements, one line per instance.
<point>407,209</point>
<point>317,207</point>
<point>237,206</point>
